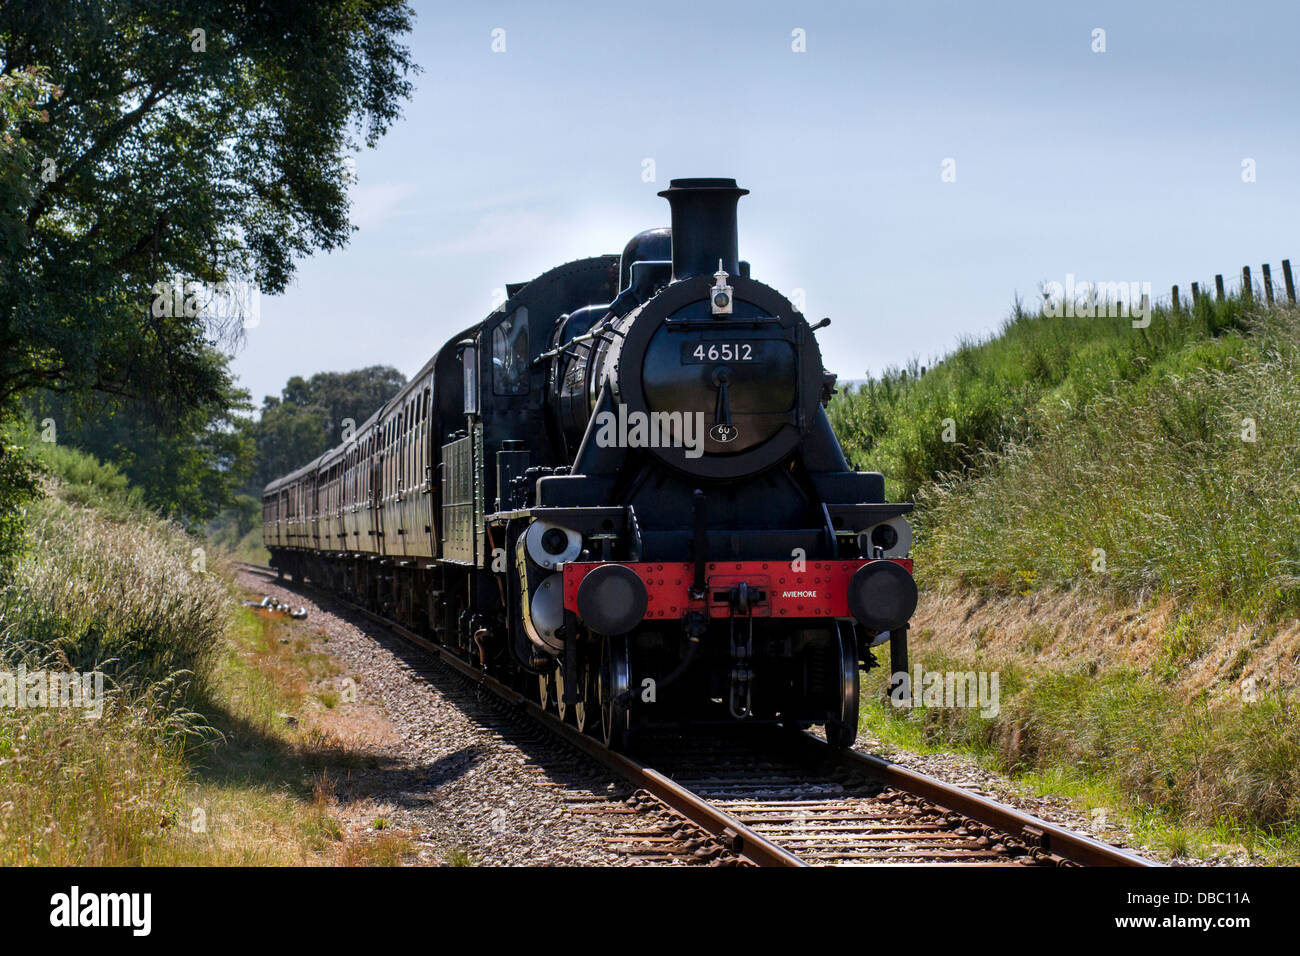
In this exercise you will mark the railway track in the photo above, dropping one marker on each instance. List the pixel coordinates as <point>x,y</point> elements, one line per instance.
<point>768,797</point>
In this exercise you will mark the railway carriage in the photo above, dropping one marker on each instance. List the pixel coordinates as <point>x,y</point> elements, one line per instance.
<point>620,491</point>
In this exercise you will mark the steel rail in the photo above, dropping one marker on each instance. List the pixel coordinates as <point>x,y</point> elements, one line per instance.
<point>723,827</point>
<point>1034,832</point>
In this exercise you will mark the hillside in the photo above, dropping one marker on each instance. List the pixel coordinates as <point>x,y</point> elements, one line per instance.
<point>1115,531</point>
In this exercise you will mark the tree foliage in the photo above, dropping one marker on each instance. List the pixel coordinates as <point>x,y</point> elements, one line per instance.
<point>188,463</point>
<point>149,146</point>
<point>196,139</point>
<point>19,484</point>
<point>310,416</point>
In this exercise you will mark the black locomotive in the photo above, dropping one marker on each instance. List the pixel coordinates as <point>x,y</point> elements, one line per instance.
<point>621,491</point>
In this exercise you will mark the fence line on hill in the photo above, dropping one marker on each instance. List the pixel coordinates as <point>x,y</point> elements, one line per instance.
<point>1247,289</point>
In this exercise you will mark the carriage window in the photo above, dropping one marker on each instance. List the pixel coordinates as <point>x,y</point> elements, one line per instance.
<point>510,355</point>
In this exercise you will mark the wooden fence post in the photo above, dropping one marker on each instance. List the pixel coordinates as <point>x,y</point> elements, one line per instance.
<point>1268,285</point>
<point>1218,287</point>
<point>1247,287</point>
<point>1290,283</point>
<point>1174,296</point>
<point>1196,293</point>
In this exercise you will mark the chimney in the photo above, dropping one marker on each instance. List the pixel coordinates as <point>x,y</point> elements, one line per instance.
<point>704,226</point>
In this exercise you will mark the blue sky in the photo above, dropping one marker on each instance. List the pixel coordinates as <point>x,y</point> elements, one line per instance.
<point>1117,166</point>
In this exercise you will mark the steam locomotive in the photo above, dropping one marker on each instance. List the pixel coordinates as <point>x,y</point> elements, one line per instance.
<point>620,492</point>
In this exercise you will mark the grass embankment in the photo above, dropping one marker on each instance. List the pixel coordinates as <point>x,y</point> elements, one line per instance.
<point>1116,531</point>
<point>205,750</point>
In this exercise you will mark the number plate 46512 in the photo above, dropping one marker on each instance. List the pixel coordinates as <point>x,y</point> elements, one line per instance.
<point>697,352</point>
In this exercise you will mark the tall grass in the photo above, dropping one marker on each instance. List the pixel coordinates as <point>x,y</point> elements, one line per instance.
<point>1199,761</point>
<point>134,600</point>
<point>1083,450</point>
<point>986,392</point>
<point>103,585</point>
<point>1185,482</point>
<point>89,792</point>
<point>1221,766</point>
<point>126,598</point>
<point>192,726</point>
<point>1155,467</point>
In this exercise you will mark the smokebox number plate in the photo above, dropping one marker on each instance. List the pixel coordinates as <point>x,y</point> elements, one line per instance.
<point>696,353</point>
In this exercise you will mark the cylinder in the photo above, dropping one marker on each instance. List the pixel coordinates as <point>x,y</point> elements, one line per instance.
<point>704,226</point>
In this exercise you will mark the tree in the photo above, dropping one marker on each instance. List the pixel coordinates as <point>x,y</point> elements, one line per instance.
<point>200,141</point>
<point>20,92</point>
<point>287,436</point>
<point>19,476</point>
<point>310,415</point>
<point>19,473</point>
<point>188,465</point>
<point>345,396</point>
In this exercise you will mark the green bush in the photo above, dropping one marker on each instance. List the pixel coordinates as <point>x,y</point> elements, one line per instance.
<point>19,484</point>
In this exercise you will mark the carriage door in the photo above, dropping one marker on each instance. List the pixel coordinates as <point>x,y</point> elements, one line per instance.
<point>376,485</point>
<point>461,458</point>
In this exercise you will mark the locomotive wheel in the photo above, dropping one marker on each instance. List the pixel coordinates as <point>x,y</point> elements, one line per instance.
<point>561,708</point>
<point>546,691</point>
<point>585,714</point>
<point>577,714</point>
<point>612,681</point>
<point>842,728</point>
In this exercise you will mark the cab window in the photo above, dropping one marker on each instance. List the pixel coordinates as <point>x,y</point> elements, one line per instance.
<point>510,355</point>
